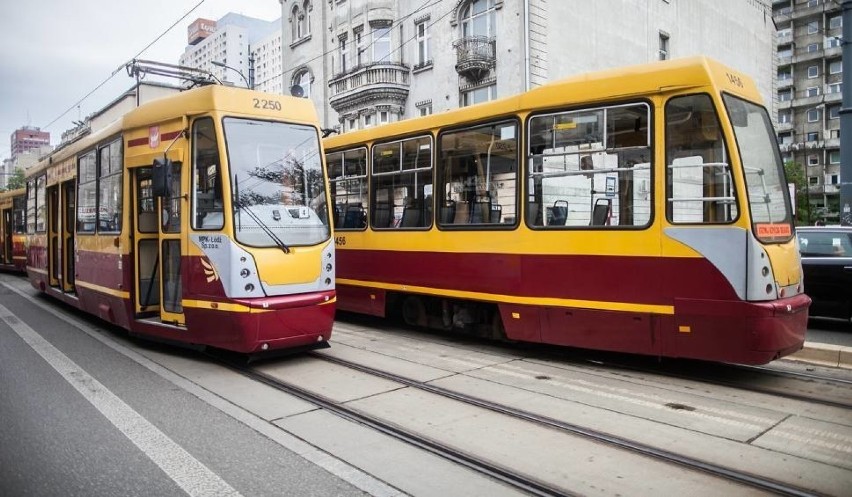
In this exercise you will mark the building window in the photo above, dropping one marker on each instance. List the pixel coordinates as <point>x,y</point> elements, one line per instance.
<point>812,136</point>
<point>813,72</point>
<point>425,110</point>
<point>306,18</point>
<point>295,25</point>
<point>359,49</point>
<point>834,88</point>
<point>479,95</point>
<point>834,157</point>
<point>478,19</point>
<point>384,117</point>
<point>422,33</point>
<point>835,22</point>
<point>835,67</point>
<point>785,95</point>
<point>381,44</point>
<point>813,3</point>
<point>368,120</point>
<point>813,47</point>
<point>813,160</point>
<point>785,116</point>
<point>813,27</point>
<point>785,74</point>
<point>813,115</point>
<point>834,112</point>
<point>664,46</point>
<point>303,82</point>
<point>344,52</point>
<point>832,42</point>
<point>812,91</point>
<point>813,180</point>
<point>353,124</point>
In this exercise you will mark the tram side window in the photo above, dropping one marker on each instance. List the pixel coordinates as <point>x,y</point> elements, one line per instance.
<point>41,209</point>
<point>590,167</point>
<point>19,215</point>
<point>31,207</point>
<point>347,176</point>
<point>207,207</point>
<point>110,188</point>
<point>86,192</point>
<point>699,185</point>
<point>478,176</point>
<point>401,184</point>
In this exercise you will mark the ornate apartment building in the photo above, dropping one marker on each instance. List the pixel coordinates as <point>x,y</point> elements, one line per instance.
<point>367,62</point>
<point>809,83</point>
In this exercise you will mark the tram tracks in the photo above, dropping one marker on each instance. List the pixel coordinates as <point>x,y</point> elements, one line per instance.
<point>507,476</point>
<point>502,473</point>
<point>731,474</point>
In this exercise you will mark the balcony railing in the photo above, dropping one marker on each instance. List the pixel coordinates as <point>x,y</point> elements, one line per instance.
<point>475,56</point>
<point>378,79</point>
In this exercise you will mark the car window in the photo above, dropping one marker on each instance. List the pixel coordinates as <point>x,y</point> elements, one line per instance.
<point>825,244</point>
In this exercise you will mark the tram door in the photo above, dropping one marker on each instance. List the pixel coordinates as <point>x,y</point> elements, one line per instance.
<point>69,210</point>
<point>158,248</point>
<point>171,216</point>
<point>54,246</point>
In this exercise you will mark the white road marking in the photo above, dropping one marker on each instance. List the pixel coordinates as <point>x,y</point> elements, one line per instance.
<point>191,475</point>
<point>337,467</point>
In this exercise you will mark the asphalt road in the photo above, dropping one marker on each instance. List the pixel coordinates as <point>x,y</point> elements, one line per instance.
<point>79,418</point>
<point>831,332</point>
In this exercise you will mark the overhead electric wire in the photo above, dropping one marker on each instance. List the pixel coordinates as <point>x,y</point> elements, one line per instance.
<point>112,75</point>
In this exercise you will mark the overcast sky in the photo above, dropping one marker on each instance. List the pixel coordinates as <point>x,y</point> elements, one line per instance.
<point>53,53</point>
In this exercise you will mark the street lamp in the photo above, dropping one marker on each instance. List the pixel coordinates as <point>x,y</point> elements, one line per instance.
<point>220,64</point>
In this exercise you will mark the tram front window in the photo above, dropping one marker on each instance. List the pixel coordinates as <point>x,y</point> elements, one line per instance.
<point>768,197</point>
<point>277,187</point>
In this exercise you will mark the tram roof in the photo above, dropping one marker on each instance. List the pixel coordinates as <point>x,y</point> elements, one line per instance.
<point>226,99</point>
<point>600,86</point>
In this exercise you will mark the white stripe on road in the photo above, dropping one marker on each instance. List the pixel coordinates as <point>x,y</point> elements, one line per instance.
<point>191,475</point>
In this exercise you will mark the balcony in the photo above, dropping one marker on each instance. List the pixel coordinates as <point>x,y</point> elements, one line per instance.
<point>388,81</point>
<point>475,56</point>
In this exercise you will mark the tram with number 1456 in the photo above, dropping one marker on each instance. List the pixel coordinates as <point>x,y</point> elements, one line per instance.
<point>641,210</point>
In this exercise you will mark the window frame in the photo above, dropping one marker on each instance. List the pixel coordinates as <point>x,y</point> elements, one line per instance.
<point>439,180</point>
<point>372,175</point>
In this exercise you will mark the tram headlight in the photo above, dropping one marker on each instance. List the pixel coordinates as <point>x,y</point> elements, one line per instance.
<point>328,267</point>
<point>764,271</point>
<point>245,273</point>
<point>328,281</point>
<point>250,287</point>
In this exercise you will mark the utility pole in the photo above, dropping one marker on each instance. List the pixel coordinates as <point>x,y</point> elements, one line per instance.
<point>251,70</point>
<point>846,119</point>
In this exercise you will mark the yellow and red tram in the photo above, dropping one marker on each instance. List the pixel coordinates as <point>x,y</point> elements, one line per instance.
<point>200,218</point>
<point>640,210</point>
<point>13,255</point>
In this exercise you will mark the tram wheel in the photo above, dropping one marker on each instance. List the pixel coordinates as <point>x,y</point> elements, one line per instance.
<point>413,311</point>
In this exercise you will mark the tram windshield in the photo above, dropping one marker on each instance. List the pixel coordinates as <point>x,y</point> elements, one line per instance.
<point>278,192</point>
<point>768,196</point>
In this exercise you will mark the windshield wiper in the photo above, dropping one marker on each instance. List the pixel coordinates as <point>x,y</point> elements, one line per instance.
<point>266,229</point>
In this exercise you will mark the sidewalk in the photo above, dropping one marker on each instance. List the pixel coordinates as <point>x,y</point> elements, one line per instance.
<point>824,354</point>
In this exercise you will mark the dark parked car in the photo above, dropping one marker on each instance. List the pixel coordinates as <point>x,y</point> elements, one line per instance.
<point>827,263</point>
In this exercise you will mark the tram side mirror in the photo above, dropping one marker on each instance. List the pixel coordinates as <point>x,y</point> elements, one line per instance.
<point>161,177</point>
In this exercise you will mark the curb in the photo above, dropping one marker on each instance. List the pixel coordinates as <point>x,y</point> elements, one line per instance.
<point>835,356</point>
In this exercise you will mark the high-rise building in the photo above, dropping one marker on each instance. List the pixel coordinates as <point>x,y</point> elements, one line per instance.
<point>228,41</point>
<point>809,83</point>
<point>28,138</point>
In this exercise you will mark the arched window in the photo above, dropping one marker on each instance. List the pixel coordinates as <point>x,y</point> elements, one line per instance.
<point>478,19</point>
<point>306,30</point>
<point>303,80</point>
<point>295,23</point>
